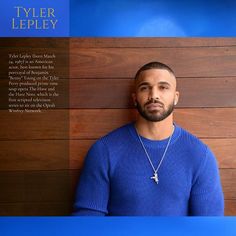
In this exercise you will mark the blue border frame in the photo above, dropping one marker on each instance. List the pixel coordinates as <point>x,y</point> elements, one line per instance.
<point>117,226</point>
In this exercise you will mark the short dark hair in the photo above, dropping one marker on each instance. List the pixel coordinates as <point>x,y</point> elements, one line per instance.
<point>154,65</point>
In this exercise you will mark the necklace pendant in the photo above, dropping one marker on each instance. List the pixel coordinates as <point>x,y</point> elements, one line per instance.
<point>155,177</point>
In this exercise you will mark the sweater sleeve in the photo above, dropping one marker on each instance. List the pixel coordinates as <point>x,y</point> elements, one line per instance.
<point>206,195</point>
<point>93,189</point>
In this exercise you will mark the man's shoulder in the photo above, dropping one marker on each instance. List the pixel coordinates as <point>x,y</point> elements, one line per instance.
<point>194,149</point>
<point>120,131</point>
<point>117,135</point>
<point>112,144</point>
<point>192,140</point>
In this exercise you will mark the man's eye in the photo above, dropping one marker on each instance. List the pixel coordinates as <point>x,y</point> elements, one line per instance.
<point>163,87</point>
<point>143,88</point>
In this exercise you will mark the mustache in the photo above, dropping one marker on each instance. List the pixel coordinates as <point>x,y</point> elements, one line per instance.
<point>153,101</point>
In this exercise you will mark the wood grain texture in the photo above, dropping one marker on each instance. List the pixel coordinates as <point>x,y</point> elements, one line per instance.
<point>124,62</point>
<point>116,93</point>
<point>224,150</point>
<point>230,208</point>
<point>62,43</point>
<point>34,155</point>
<point>35,209</point>
<point>204,123</point>
<point>4,93</point>
<point>61,62</point>
<point>35,186</point>
<point>78,151</point>
<point>61,101</point>
<point>228,179</point>
<point>101,93</point>
<point>49,124</point>
<point>84,126</point>
<point>140,42</point>
<point>210,123</point>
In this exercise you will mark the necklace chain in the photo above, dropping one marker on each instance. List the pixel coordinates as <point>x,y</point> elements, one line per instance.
<point>155,177</point>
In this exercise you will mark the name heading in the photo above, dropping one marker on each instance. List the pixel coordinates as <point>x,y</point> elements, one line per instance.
<point>34,18</point>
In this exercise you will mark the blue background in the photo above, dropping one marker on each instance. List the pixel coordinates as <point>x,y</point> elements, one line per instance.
<point>122,226</point>
<point>129,18</point>
<point>133,18</point>
<point>8,12</point>
<point>151,18</point>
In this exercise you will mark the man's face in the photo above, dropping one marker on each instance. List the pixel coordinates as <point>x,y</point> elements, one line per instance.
<point>155,94</point>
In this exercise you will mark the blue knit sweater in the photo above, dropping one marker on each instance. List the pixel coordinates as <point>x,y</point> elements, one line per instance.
<point>116,177</point>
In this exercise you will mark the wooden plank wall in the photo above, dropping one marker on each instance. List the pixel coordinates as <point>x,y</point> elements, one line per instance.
<point>42,154</point>
<point>34,157</point>
<point>101,79</point>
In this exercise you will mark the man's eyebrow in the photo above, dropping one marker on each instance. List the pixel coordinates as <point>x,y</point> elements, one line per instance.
<point>164,83</point>
<point>143,83</point>
<point>159,83</point>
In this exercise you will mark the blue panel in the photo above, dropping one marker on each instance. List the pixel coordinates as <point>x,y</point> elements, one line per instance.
<point>9,11</point>
<point>107,226</point>
<point>183,18</point>
<point>151,18</point>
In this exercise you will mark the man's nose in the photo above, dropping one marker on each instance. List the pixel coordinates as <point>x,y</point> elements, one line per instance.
<point>154,93</point>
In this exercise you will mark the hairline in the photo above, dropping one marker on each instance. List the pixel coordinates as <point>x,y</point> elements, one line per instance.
<point>154,65</point>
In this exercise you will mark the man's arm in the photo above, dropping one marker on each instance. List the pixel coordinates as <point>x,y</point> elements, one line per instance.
<point>93,188</point>
<point>207,196</point>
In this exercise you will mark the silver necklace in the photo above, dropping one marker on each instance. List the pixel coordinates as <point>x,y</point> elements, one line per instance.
<point>155,175</point>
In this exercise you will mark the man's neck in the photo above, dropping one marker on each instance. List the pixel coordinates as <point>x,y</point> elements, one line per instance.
<point>155,130</point>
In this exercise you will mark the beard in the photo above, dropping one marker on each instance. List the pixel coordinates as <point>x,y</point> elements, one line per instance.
<point>155,116</point>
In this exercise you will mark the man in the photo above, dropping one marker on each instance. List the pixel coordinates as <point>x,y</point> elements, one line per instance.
<point>152,166</point>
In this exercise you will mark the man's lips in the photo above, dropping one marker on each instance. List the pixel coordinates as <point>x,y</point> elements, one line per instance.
<point>154,106</point>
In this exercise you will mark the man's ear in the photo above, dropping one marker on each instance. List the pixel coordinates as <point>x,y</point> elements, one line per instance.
<point>134,99</point>
<point>176,97</point>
